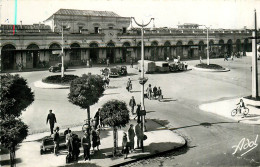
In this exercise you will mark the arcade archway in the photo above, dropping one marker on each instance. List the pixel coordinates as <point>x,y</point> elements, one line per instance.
<point>93,52</point>
<point>32,56</point>
<point>8,57</point>
<point>111,52</point>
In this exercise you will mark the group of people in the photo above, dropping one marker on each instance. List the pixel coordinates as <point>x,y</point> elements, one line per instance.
<point>73,142</point>
<point>128,144</point>
<point>153,92</point>
<point>232,55</point>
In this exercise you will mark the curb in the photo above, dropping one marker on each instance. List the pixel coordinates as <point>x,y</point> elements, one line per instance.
<point>151,156</point>
<point>210,70</point>
<point>40,84</point>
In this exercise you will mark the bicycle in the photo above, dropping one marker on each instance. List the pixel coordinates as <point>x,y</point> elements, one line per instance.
<point>238,109</point>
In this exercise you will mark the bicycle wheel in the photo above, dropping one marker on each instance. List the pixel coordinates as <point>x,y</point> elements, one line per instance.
<point>246,111</point>
<point>234,112</point>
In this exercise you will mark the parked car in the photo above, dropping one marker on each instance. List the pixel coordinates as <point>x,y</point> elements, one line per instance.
<point>122,70</point>
<point>176,66</point>
<point>57,68</point>
<point>113,72</point>
<point>47,143</point>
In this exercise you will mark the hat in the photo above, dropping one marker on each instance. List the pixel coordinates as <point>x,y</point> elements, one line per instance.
<point>57,128</point>
<point>131,125</point>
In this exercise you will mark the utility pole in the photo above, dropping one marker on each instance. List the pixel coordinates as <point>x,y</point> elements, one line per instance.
<point>62,52</point>
<point>142,79</point>
<point>254,61</point>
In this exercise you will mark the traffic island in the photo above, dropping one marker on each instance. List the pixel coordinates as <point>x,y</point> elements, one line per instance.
<point>210,68</point>
<point>159,140</point>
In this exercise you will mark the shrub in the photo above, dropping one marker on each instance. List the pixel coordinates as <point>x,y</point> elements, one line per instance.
<point>56,79</point>
<point>210,66</point>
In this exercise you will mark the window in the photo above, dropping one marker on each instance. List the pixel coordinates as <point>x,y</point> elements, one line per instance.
<point>110,28</point>
<point>96,30</point>
<point>124,30</point>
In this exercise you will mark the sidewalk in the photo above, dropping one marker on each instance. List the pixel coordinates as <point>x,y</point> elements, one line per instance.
<point>159,140</point>
<point>224,108</point>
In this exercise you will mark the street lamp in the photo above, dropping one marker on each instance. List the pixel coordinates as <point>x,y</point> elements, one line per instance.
<point>207,43</point>
<point>62,50</point>
<point>142,79</point>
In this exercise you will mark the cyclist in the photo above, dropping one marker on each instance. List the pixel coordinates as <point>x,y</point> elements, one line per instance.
<point>241,105</point>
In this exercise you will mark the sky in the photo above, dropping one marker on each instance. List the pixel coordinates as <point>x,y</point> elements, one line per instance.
<point>167,13</point>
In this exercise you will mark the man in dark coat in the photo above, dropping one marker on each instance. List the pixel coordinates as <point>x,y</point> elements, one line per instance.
<point>154,92</point>
<point>139,134</point>
<point>131,136</point>
<point>86,144</point>
<point>132,104</point>
<point>96,117</point>
<point>52,120</point>
<point>56,141</point>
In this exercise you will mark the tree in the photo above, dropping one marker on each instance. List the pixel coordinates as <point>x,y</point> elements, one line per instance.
<point>86,91</point>
<point>115,113</point>
<point>16,96</point>
<point>13,131</point>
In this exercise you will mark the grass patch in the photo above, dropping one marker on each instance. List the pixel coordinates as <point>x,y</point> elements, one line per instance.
<point>56,79</point>
<point>210,66</point>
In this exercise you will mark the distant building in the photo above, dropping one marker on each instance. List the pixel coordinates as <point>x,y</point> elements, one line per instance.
<point>101,35</point>
<point>189,26</point>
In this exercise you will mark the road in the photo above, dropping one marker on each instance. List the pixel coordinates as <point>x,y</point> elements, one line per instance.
<point>210,137</point>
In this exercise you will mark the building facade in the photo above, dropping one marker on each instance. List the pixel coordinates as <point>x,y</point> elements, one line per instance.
<point>101,35</point>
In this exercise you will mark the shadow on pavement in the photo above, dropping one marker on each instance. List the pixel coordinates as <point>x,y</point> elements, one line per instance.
<point>205,124</point>
<point>82,165</point>
<point>251,115</point>
<point>7,162</point>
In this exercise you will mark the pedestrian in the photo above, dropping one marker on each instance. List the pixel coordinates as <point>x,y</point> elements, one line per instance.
<point>90,62</point>
<point>75,146</point>
<point>159,93</point>
<point>95,139</point>
<point>96,117</point>
<point>154,92</point>
<point>107,62</point>
<point>185,65</point>
<point>167,59</point>
<point>138,113</point>
<point>69,143</point>
<point>226,57</point>
<point>132,104</point>
<point>129,85</point>
<point>125,149</point>
<point>86,144</point>
<point>131,136</point>
<point>52,120</point>
<point>56,141</point>
<point>131,62</point>
<point>139,134</point>
<point>149,91</point>
<point>200,59</point>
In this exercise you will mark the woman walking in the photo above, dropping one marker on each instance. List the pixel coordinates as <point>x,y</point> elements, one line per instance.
<point>125,149</point>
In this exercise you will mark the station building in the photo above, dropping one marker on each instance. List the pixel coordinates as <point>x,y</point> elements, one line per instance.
<point>101,35</point>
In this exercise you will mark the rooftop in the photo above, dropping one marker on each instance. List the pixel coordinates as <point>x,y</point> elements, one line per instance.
<point>85,13</point>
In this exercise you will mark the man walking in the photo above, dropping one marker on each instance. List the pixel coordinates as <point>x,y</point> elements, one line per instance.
<point>132,104</point>
<point>52,120</point>
<point>86,144</point>
<point>131,136</point>
<point>139,134</point>
<point>56,140</point>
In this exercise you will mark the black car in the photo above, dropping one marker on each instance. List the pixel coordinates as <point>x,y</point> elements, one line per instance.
<point>122,70</point>
<point>57,68</point>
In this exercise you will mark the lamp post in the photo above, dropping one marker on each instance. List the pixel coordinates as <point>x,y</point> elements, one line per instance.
<point>62,50</point>
<point>207,43</point>
<point>142,79</point>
